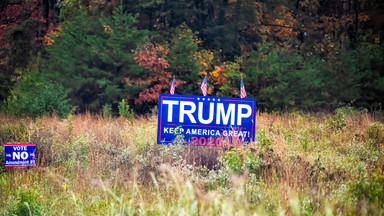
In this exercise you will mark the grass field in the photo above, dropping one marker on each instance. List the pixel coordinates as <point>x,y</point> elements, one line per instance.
<point>301,164</point>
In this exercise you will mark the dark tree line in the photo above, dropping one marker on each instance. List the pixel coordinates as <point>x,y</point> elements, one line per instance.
<point>300,54</point>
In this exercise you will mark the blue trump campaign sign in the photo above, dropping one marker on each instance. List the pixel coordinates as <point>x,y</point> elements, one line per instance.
<point>205,120</point>
<point>20,155</point>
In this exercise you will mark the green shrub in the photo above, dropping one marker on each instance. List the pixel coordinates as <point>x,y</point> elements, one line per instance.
<point>179,136</point>
<point>34,97</point>
<point>107,110</point>
<point>69,125</point>
<point>376,133</point>
<point>303,137</point>
<point>253,162</point>
<point>125,111</point>
<point>262,140</point>
<point>337,122</point>
<point>351,111</point>
<point>74,153</point>
<point>233,161</point>
<point>2,159</point>
<point>107,58</point>
<point>27,204</point>
<point>369,189</point>
<point>340,119</point>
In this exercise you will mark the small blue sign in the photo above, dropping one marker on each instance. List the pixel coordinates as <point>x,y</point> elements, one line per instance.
<point>205,120</point>
<point>20,155</point>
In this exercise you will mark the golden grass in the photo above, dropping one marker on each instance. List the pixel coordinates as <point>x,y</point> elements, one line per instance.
<point>90,165</point>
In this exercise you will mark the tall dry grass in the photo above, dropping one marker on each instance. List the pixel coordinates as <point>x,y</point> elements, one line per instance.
<point>300,164</point>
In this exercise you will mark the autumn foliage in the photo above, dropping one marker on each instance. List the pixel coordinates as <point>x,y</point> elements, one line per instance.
<point>16,12</point>
<point>309,55</point>
<point>158,80</point>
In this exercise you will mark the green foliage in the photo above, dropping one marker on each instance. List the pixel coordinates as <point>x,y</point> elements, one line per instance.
<point>2,159</point>
<point>34,96</point>
<point>27,203</point>
<point>72,154</point>
<point>351,78</point>
<point>94,58</point>
<point>303,137</point>
<point>303,206</point>
<point>337,122</point>
<point>179,136</point>
<point>230,86</point>
<point>237,162</point>
<point>69,125</point>
<point>293,56</point>
<point>262,140</point>
<point>233,161</point>
<point>351,111</point>
<point>340,119</point>
<point>376,133</point>
<point>125,111</point>
<point>280,80</point>
<point>17,55</point>
<point>253,162</point>
<point>107,110</point>
<point>370,189</point>
<point>21,44</point>
<point>183,63</point>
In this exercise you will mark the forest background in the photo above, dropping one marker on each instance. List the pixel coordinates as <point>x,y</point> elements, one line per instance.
<point>63,63</point>
<point>78,55</point>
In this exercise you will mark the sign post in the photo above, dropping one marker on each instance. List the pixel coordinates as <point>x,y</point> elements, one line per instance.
<point>205,120</point>
<point>20,155</point>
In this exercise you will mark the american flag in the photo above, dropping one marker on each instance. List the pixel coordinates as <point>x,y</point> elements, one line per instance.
<point>204,86</point>
<point>242,90</point>
<point>8,155</point>
<point>172,91</point>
